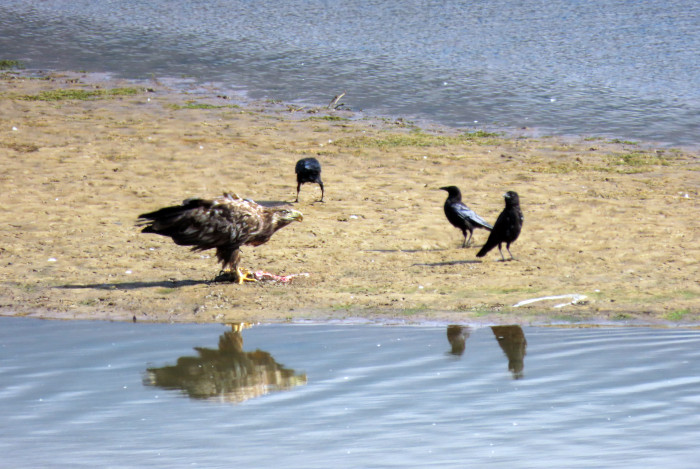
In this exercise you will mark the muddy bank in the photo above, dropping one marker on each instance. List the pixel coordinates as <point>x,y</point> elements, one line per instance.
<point>613,222</point>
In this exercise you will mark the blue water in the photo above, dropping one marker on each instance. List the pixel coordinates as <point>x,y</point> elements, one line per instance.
<point>79,394</point>
<point>624,68</point>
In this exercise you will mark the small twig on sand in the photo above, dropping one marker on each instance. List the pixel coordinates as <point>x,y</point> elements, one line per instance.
<point>334,103</point>
<point>155,80</point>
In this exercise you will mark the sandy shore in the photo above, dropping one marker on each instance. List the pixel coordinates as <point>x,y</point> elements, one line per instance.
<point>614,222</point>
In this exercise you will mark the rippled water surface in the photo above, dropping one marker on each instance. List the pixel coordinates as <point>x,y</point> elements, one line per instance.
<point>619,68</point>
<point>99,394</point>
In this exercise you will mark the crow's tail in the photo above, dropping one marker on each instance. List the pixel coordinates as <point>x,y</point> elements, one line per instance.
<point>487,247</point>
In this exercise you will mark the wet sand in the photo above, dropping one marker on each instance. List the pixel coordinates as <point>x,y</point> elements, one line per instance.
<point>615,222</point>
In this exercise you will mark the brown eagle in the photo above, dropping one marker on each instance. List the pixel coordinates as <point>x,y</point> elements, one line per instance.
<point>225,223</point>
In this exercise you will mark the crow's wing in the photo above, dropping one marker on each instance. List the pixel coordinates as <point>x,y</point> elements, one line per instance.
<point>471,216</point>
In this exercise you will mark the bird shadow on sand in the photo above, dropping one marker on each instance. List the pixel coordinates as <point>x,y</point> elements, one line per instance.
<point>137,285</point>
<point>405,250</point>
<point>274,203</point>
<point>439,264</point>
<point>432,264</point>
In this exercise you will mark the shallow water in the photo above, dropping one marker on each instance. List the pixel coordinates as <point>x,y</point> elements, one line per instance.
<point>627,69</point>
<point>99,394</point>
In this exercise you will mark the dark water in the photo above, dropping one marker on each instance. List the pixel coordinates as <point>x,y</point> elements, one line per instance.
<point>621,68</point>
<point>97,394</point>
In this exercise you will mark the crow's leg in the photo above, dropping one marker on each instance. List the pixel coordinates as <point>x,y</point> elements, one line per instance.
<point>501,251</point>
<point>469,241</point>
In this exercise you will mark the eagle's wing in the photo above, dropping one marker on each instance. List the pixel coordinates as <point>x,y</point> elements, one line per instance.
<point>471,216</point>
<point>207,224</point>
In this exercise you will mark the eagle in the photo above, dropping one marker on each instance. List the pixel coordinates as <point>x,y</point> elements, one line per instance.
<point>224,223</point>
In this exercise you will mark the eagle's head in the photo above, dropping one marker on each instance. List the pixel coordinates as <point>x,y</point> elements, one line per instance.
<point>283,217</point>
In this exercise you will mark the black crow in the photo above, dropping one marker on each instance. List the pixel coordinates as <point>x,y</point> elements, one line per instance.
<point>308,170</point>
<point>462,216</point>
<point>507,227</point>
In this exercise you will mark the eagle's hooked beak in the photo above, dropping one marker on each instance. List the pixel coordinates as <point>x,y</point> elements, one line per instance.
<point>296,215</point>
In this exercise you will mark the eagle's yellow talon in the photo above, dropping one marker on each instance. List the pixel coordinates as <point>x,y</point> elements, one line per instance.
<point>244,275</point>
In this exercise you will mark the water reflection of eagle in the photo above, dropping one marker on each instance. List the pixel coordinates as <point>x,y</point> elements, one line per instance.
<point>228,374</point>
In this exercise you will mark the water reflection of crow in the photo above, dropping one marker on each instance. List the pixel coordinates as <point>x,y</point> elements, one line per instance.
<point>228,374</point>
<point>457,336</point>
<point>513,343</point>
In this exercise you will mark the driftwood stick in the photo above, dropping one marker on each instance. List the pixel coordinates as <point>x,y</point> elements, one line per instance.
<point>334,103</point>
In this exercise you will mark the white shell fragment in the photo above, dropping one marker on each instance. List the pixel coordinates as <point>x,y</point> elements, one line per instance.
<point>574,298</point>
